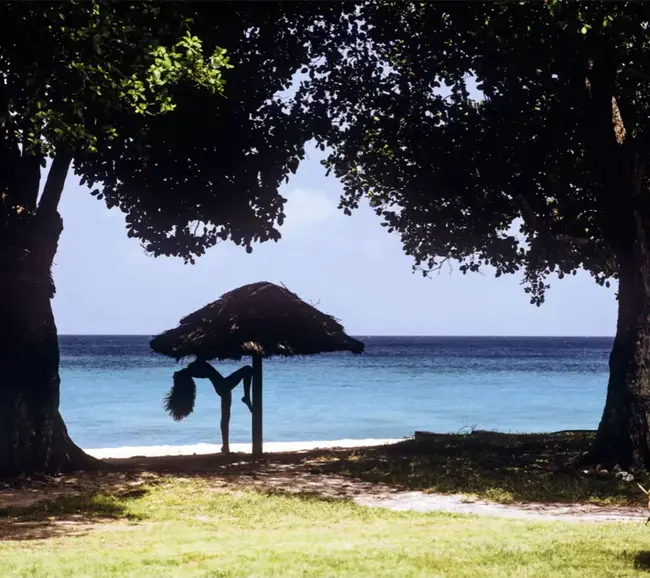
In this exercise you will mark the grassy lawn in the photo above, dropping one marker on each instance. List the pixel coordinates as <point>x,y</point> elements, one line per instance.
<point>188,527</point>
<point>499,467</point>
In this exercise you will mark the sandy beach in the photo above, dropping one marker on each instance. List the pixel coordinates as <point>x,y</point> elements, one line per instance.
<point>204,449</point>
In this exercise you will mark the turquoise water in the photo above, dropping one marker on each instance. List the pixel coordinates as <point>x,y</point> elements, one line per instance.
<point>113,386</point>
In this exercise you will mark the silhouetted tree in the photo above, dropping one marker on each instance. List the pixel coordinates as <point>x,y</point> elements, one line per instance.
<point>131,97</point>
<point>557,143</point>
<point>546,173</point>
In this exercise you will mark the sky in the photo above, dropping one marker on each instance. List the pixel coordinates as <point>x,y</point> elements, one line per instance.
<point>349,266</point>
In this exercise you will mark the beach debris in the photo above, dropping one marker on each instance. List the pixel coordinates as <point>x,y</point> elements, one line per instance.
<point>648,496</point>
<point>624,476</point>
<point>423,437</point>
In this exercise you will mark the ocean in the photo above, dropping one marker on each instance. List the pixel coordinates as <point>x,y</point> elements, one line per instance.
<point>112,390</point>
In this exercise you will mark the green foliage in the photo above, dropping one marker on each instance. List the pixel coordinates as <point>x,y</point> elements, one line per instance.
<point>536,173</point>
<point>135,91</point>
<point>525,177</point>
<point>92,55</point>
<point>210,170</point>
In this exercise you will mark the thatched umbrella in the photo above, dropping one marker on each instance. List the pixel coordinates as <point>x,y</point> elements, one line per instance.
<point>260,320</point>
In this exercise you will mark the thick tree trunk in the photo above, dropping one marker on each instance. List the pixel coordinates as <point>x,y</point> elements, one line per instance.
<point>623,436</point>
<point>33,437</point>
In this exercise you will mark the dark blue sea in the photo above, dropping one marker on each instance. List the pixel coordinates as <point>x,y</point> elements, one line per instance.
<point>112,390</point>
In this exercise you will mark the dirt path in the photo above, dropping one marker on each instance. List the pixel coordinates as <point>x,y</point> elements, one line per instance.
<point>384,496</point>
<point>291,472</point>
<point>297,476</point>
<point>421,502</point>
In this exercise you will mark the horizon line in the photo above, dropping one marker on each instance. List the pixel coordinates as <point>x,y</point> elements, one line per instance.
<point>454,335</point>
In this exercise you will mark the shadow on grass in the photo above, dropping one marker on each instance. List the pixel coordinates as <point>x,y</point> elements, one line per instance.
<point>495,466</point>
<point>235,464</point>
<point>66,515</point>
<point>642,561</point>
<point>301,495</point>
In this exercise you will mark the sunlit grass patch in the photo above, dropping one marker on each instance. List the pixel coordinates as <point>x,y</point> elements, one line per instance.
<point>187,529</point>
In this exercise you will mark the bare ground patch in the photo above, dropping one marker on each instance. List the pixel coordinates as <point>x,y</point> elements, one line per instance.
<point>451,474</point>
<point>15,529</point>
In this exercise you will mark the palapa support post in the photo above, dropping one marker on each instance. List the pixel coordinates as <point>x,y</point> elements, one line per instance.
<point>257,406</point>
<point>226,403</point>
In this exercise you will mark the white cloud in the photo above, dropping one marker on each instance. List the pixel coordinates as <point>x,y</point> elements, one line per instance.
<point>306,208</point>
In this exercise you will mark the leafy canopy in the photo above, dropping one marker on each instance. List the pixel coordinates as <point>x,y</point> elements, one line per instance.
<point>496,133</point>
<point>524,174</point>
<point>134,93</point>
<point>66,68</point>
<point>74,76</point>
<point>211,169</point>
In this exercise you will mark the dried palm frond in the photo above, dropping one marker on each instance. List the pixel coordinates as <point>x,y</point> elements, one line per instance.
<point>257,319</point>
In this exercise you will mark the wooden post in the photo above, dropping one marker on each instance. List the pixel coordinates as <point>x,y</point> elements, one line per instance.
<point>226,403</point>
<point>257,406</point>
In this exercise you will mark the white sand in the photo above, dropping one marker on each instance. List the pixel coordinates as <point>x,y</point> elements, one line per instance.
<point>201,449</point>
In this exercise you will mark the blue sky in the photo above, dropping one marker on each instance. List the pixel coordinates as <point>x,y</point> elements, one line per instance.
<point>350,266</point>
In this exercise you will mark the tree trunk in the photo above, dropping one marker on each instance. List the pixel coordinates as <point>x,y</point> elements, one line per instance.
<point>623,436</point>
<point>33,437</point>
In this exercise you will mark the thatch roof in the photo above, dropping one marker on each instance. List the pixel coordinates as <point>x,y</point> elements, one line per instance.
<point>257,319</point>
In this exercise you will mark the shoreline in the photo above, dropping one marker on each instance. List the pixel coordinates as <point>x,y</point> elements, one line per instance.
<point>205,448</point>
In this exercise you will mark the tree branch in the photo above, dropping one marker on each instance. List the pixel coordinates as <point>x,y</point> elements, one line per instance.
<point>637,73</point>
<point>527,213</point>
<point>542,229</point>
<point>571,239</point>
<point>28,182</point>
<point>51,196</point>
<point>10,159</point>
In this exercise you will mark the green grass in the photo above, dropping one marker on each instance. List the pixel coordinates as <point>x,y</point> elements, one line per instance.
<point>496,466</point>
<point>187,529</point>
